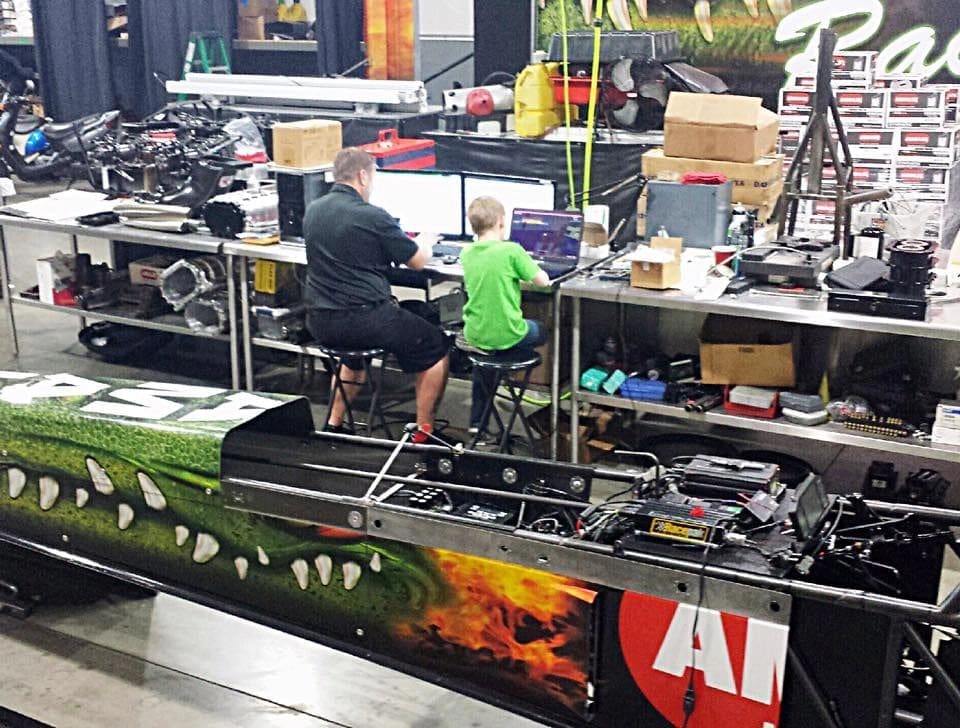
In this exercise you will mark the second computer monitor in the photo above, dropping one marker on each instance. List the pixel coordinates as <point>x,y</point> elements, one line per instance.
<point>423,202</point>
<point>512,192</point>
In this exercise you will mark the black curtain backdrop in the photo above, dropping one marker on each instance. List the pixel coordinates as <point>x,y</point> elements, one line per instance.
<point>159,31</point>
<point>71,45</point>
<point>339,32</point>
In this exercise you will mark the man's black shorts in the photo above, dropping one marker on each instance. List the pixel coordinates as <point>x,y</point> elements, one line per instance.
<point>416,343</point>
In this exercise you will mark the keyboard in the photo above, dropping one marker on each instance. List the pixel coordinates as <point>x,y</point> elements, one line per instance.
<point>442,250</point>
<point>555,270</point>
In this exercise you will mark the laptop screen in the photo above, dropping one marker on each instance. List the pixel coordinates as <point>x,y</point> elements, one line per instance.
<point>549,236</point>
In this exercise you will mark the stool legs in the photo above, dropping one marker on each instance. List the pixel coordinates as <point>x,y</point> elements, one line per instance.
<point>517,390</point>
<point>374,380</point>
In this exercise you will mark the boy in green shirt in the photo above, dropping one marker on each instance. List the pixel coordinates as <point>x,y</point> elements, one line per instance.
<point>493,269</point>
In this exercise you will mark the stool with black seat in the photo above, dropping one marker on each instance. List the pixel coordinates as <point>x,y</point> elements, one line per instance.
<point>333,363</point>
<point>501,365</point>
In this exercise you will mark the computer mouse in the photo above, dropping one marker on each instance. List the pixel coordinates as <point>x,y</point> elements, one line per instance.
<point>449,259</point>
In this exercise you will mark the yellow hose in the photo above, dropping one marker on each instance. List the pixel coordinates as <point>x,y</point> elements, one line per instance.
<point>592,107</point>
<point>566,102</point>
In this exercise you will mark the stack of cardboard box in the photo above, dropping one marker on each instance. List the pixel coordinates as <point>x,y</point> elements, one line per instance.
<point>729,135</point>
<point>902,132</point>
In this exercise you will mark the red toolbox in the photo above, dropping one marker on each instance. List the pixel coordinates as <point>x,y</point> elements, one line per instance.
<point>392,152</point>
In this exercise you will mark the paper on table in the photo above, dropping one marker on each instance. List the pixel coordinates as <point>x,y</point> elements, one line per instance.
<point>62,206</point>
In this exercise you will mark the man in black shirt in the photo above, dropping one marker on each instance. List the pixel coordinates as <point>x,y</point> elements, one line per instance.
<point>351,245</point>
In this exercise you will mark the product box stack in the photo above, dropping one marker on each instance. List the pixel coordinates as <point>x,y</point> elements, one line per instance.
<point>729,135</point>
<point>903,134</point>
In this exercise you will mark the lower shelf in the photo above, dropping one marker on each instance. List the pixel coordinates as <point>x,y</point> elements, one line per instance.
<point>173,323</point>
<point>830,432</point>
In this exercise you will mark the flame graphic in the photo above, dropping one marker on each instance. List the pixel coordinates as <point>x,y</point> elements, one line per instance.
<point>530,626</point>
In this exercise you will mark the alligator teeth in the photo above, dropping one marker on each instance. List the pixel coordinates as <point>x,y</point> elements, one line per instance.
<point>642,7</point>
<point>124,516</point>
<point>620,15</point>
<point>587,7</point>
<point>324,566</point>
<point>351,574</point>
<point>82,495</point>
<point>780,8</point>
<point>302,572</point>
<point>375,564</point>
<point>181,533</point>
<point>16,481</point>
<point>151,492</point>
<point>701,11</point>
<point>262,556</point>
<point>101,481</point>
<point>205,548</point>
<point>49,492</point>
<point>752,8</point>
<point>242,565</point>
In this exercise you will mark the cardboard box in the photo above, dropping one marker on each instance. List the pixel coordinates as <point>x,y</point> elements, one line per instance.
<point>872,145</point>
<point>659,267</point>
<point>754,183</point>
<point>899,81</point>
<point>306,144</point>
<point>251,29</point>
<point>794,106</point>
<point>266,9</point>
<point>939,144</point>
<point>855,65</point>
<point>747,351</point>
<point>146,271</point>
<point>540,308</point>
<point>927,107</point>
<point>867,107</point>
<point>724,128</point>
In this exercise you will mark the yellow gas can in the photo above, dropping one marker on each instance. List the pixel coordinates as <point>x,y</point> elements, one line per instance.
<point>534,107</point>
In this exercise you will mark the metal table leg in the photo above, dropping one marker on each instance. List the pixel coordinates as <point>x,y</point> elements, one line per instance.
<point>75,247</point>
<point>232,316</point>
<point>247,337</point>
<point>555,376</point>
<point>5,271</point>
<point>575,383</point>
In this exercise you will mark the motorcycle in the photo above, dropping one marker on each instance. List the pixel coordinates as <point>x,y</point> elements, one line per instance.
<point>51,150</point>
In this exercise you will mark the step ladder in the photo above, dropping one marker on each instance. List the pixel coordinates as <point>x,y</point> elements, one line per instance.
<point>202,50</point>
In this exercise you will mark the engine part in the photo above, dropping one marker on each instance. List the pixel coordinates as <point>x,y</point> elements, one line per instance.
<point>245,211</point>
<point>910,264</point>
<point>191,277</point>
<point>208,314</point>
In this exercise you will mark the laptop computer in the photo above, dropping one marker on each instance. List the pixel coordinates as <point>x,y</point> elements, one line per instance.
<point>552,238</point>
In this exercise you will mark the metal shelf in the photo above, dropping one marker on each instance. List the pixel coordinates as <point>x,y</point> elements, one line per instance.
<point>302,46</point>
<point>830,432</point>
<point>943,321</point>
<point>121,233</point>
<point>172,323</point>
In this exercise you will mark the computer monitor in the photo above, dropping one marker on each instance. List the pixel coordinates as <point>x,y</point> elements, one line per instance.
<point>511,192</point>
<point>548,235</point>
<point>422,201</point>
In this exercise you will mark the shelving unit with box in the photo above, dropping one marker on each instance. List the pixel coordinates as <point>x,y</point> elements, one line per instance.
<point>903,134</point>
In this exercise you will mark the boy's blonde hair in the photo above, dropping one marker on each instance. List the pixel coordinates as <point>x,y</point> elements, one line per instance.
<point>484,214</point>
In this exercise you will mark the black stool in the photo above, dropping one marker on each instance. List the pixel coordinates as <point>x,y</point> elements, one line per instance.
<point>501,366</point>
<point>333,363</point>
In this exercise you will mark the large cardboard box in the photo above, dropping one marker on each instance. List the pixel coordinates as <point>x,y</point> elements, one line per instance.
<point>724,128</point>
<point>540,308</point>
<point>306,144</point>
<point>754,183</point>
<point>747,351</point>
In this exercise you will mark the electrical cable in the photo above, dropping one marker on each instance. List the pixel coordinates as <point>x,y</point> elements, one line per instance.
<point>566,102</point>
<point>592,106</point>
<point>690,695</point>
